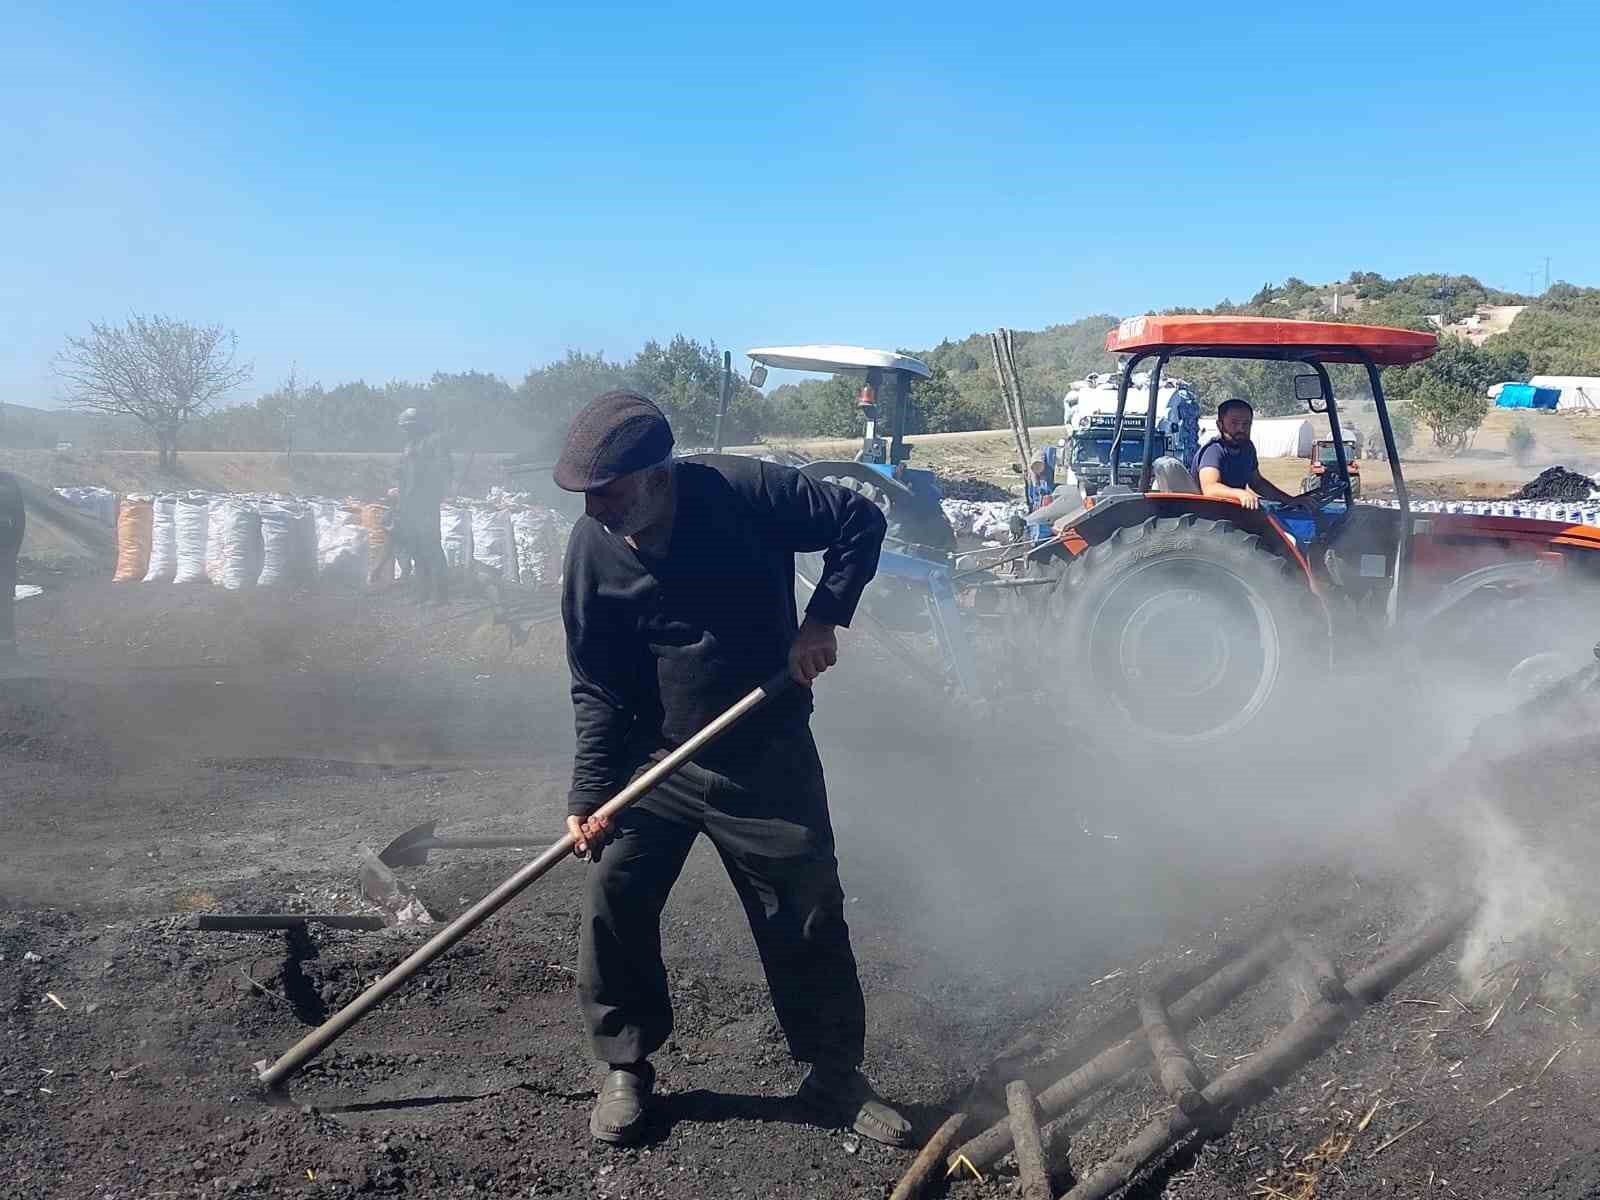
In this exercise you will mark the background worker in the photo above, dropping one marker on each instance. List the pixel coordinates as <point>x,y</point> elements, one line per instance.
<point>678,598</point>
<point>425,476</point>
<point>13,522</point>
<point>1228,466</point>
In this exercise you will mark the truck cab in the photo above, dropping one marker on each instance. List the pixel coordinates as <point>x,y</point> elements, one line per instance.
<point>1089,411</point>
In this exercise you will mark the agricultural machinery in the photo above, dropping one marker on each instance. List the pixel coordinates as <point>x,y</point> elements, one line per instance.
<point>1174,617</point>
<point>1324,460</point>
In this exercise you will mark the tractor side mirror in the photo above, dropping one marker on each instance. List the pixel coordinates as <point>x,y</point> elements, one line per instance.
<point>1309,389</point>
<point>758,375</point>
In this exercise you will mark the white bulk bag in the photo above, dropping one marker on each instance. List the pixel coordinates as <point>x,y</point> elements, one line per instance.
<point>285,538</point>
<point>163,541</point>
<point>540,535</point>
<point>455,535</point>
<point>492,542</point>
<point>191,524</point>
<point>240,538</point>
<point>342,554</point>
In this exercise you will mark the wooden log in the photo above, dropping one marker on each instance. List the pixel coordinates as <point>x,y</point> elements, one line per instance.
<point>1295,1045</point>
<point>987,1088</point>
<point>1325,977</point>
<point>1210,997</point>
<point>930,1160</point>
<point>1017,402</point>
<point>1005,400</point>
<point>1179,1077</point>
<point>1125,1022</point>
<point>1029,1147</point>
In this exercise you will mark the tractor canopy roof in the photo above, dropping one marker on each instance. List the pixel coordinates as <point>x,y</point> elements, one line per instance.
<point>838,360</point>
<point>1271,337</point>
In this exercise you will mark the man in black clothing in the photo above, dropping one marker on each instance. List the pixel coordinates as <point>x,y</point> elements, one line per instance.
<point>13,521</point>
<point>678,598</point>
<point>425,471</point>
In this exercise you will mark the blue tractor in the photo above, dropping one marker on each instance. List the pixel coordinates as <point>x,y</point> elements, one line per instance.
<point>920,572</point>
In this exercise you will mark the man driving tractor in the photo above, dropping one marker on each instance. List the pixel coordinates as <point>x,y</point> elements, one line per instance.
<point>1227,466</point>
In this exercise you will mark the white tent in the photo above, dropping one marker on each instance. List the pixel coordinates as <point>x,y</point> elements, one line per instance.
<point>1577,391</point>
<point>1283,437</point>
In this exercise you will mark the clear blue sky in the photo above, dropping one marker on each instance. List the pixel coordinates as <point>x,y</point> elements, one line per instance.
<point>380,191</point>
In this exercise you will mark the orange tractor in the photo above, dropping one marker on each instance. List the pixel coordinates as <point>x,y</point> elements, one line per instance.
<point>1323,472</point>
<point>1184,618</point>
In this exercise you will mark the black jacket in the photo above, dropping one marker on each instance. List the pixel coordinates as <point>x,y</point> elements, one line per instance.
<point>658,648</point>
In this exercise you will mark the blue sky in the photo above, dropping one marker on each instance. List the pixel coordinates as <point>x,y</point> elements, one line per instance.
<point>380,191</point>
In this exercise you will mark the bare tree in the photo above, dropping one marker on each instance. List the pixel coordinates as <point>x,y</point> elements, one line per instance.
<point>163,373</point>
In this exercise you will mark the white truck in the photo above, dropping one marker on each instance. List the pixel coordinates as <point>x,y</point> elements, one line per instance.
<point>1089,411</point>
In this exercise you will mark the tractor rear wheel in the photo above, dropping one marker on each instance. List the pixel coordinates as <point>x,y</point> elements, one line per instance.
<point>1180,630</point>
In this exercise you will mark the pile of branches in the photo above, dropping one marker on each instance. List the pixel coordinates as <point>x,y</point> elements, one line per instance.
<point>1556,483</point>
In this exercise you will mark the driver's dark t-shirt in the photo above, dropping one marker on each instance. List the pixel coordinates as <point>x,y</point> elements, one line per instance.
<point>1236,464</point>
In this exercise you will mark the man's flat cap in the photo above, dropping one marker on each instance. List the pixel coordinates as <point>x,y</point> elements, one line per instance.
<point>615,434</point>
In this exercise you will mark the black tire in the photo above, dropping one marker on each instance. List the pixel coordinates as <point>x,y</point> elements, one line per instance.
<point>863,489</point>
<point>913,521</point>
<point>1181,630</point>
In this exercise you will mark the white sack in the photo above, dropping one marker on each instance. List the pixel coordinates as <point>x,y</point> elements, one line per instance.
<point>163,541</point>
<point>455,535</point>
<point>240,548</point>
<point>540,535</point>
<point>342,554</point>
<point>285,539</point>
<point>492,542</point>
<point>191,525</point>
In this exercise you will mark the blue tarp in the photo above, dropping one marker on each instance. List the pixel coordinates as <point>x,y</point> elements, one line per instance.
<point>1525,395</point>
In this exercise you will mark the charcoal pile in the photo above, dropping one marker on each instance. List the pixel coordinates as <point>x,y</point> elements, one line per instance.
<point>973,489</point>
<point>1556,483</point>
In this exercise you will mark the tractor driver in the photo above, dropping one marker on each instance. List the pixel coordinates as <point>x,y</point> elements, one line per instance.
<point>1227,465</point>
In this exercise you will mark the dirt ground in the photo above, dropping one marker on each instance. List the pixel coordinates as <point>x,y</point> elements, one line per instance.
<point>166,751</point>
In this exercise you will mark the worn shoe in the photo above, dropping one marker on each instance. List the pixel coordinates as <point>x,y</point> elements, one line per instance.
<point>619,1110</point>
<point>846,1098</point>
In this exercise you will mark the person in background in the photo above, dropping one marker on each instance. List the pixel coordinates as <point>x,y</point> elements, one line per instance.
<point>678,597</point>
<point>425,476</point>
<point>13,522</point>
<point>1227,466</point>
<point>1185,436</point>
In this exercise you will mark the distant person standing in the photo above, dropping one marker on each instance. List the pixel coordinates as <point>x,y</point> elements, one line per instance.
<point>425,476</point>
<point>13,520</point>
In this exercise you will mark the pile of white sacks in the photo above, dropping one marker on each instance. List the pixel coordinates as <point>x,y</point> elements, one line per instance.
<point>986,519</point>
<point>1566,512</point>
<point>247,540</point>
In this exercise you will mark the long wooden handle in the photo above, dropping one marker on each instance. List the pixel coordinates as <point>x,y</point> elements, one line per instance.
<point>320,1038</point>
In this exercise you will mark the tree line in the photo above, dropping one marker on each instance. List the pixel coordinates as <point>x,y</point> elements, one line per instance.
<point>167,378</point>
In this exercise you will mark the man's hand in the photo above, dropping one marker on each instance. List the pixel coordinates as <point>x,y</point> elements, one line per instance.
<point>815,649</point>
<point>1248,498</point>
<point>589,834</point>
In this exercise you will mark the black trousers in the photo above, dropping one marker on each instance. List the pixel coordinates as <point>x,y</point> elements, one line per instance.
<point>418,537</point>
<point>13,521</point>
<point>769,822</point>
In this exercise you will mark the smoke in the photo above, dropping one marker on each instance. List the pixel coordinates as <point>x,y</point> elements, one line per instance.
<point>1525,897</point>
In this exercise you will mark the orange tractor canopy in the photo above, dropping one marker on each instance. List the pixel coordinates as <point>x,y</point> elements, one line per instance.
<point>1183,616</point>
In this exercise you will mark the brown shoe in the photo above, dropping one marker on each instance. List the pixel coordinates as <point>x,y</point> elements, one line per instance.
<point>846,1098</point>
<point>619,1109</point>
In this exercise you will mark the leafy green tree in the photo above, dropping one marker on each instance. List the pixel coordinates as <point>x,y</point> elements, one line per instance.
<point>550,396</point>
<point>685,378</point>
<point>1451,412</point>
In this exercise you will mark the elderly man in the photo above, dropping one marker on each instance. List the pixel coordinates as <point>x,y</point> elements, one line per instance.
<point>678,597</point>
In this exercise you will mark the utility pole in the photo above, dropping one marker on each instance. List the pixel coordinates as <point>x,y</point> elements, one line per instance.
<point>1547,272</point>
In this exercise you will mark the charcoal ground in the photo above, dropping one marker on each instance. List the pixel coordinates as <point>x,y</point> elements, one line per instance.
<point>166,752</point>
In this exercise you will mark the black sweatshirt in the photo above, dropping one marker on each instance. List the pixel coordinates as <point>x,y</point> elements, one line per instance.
<point>658,647</point>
